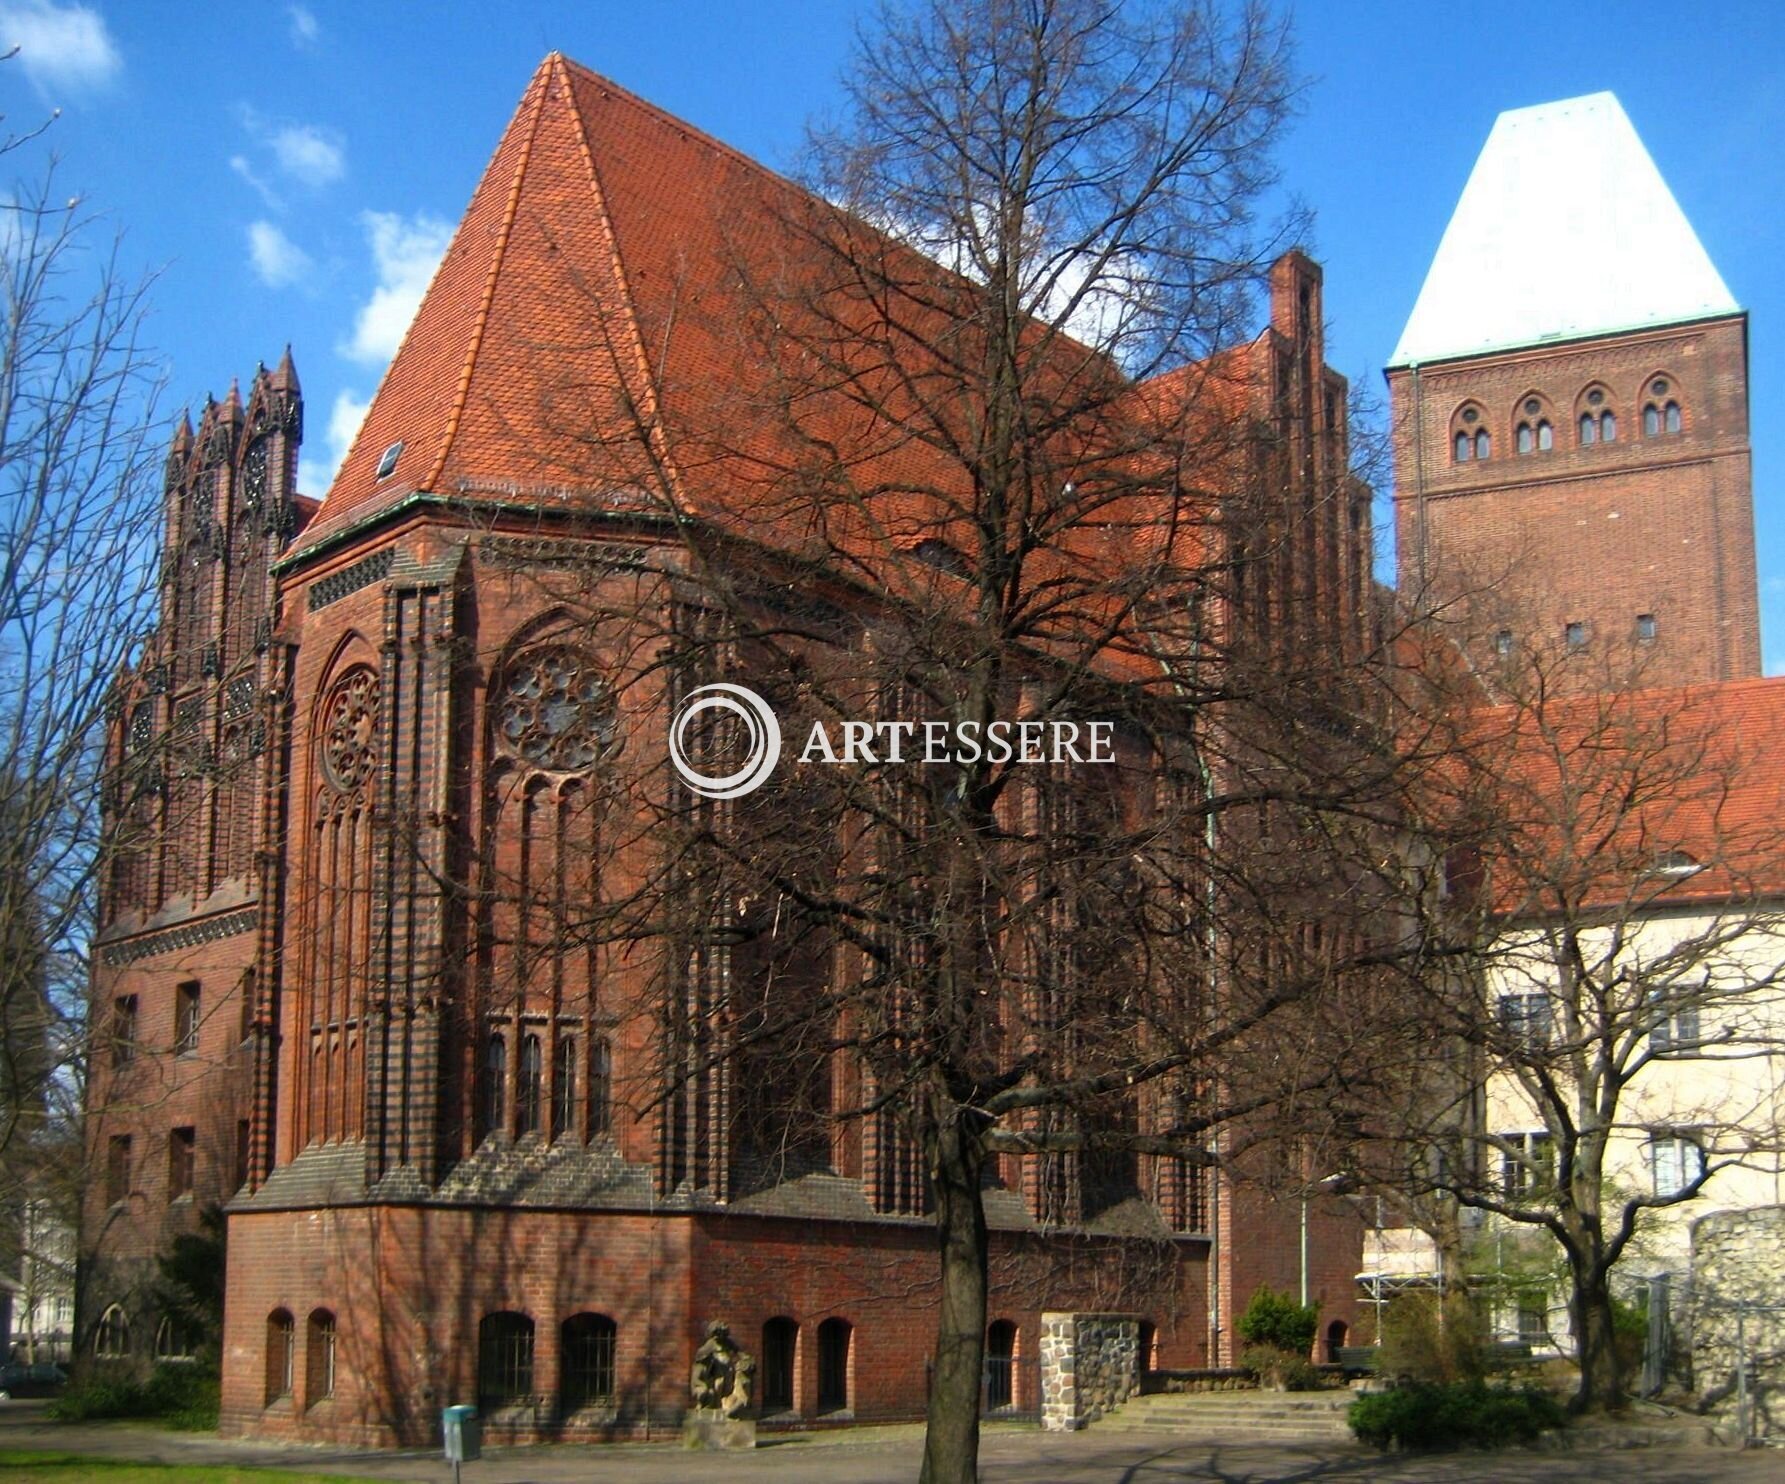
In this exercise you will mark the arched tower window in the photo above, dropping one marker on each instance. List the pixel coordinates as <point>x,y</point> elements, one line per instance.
<point>1594,419</point>
<point>1469,440</point>
<point>1534,431</point>
<point>1661,413</point>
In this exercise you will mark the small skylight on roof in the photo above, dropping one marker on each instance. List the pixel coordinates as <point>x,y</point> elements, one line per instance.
<point>1676,863</point>
<point>387,465</point>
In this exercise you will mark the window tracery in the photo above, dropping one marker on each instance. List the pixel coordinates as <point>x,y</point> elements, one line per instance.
<point>1661,414</point>
<point>1470,440</point>
<point>350,729</point>
<point>555,710</point>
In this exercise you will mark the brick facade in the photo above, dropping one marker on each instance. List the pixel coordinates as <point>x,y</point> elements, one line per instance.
<point>1654,525</point>
<point>459,1137</point>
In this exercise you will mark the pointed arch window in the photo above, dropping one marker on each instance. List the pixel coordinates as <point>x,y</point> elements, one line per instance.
<point>111,1341</point>
<point>495,1082</point>
<point>601,1076</point>
<point>529,1083</point>
<point>1597,423</point>
<point>1661,413</point>
<point>1469,436</point>
<point>1534,433</point>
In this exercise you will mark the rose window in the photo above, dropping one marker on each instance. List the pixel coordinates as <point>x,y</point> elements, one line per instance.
<point>350,729</point>
<point>555,711</point>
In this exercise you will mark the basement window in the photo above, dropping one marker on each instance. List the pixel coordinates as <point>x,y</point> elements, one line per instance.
<point>387,465</point>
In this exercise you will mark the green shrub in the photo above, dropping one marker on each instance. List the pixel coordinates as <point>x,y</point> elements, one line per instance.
<point>183,1397</point>
<point>1629,1337</point>
<point>1426,1339</point>
<point>1280,1368</point>
<point>1466,1414</point>
<point>1277,1320</point>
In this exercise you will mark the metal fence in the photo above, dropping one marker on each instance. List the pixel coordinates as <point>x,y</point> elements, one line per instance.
<point>1010,1390</point>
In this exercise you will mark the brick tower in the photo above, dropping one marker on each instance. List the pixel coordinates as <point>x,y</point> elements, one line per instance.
<point>1570,400</point>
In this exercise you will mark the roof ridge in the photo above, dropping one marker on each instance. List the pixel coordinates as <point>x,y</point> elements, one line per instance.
<point>680,125</point>
<point>541,88</point>
<point>634,334</point>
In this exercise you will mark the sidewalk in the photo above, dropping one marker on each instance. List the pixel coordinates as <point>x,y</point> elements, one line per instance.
<point>889,1455</point>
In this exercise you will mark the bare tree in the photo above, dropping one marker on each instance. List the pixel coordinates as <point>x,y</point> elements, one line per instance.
<point>1605,891</point>
<point>79,514</point>
<point>1036,482</point>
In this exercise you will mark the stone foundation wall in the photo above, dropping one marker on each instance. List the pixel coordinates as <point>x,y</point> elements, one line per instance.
<point>1738,1295</point>
<point>1090,1363</point>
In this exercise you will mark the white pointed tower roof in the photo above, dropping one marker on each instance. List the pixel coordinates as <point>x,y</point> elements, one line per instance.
<point>1566,229</point>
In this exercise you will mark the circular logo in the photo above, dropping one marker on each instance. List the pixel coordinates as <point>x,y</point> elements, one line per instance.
<point>760,726</point>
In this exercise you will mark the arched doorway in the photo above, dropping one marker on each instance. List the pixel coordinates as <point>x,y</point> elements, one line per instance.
<point>1336,1333</point>
<point>1000,1366</point>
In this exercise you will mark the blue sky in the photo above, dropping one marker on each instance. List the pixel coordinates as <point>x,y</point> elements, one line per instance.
<point>293,169</point>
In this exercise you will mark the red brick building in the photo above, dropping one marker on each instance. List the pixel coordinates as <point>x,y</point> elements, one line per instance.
<point>1570,403</point>
<point>365,739</point>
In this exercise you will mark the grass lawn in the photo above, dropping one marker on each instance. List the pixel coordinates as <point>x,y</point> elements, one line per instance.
<point>69,1468</point>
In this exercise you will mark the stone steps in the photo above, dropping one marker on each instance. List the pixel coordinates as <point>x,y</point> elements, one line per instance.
<point>1317,1417</point>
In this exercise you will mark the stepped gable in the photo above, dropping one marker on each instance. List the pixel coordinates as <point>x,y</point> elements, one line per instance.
<point>1565,230</point>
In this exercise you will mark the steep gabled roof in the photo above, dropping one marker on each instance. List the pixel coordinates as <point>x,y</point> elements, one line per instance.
<point>590,313</point>
<point>1565,230</point>
<point>588,339</point>
<point>1641,800</point>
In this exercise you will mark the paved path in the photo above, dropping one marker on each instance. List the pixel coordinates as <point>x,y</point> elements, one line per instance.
<point>890,1455</point>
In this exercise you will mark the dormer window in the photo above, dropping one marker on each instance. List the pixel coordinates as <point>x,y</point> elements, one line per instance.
<point>387,465</point>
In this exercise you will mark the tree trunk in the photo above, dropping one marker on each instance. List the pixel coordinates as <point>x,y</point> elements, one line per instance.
<point>951,1438</point>
<point>1589,1310</point>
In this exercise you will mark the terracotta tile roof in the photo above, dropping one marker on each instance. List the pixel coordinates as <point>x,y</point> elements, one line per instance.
<point>594,300</point>
<point>1657,798</point>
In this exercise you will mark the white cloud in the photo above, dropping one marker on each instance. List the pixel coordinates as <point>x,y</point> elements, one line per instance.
<point>278,260</point>
<point>310,155</point>
<point>304,30</point>
<point>405,253</point>
<point>344,418</point>
<point>60,45</point>
<point>242,167</point>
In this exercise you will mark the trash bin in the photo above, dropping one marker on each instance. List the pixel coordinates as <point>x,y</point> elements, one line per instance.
<point>463,1434</point>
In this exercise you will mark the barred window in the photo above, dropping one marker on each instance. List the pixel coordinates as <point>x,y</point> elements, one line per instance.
<point>586,1360</point>
<point>504,1359</point>
<point>321,1356</point>
<point>281,1354</point>
<point>780,1339</point>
